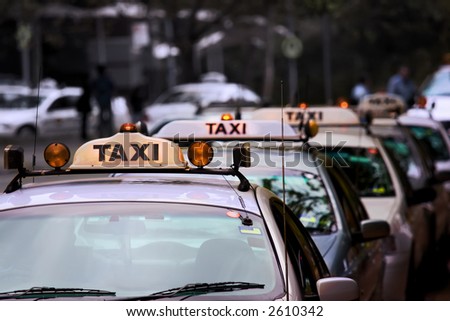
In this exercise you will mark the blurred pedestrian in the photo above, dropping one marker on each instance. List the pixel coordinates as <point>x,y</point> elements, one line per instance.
<point>137,98</point>
<point>401,84</point>
<point>359,90</point>
<point>103,89</point>
<point>84,107</point>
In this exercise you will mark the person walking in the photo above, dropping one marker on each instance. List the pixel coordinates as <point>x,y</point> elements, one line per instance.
<point>103,89</point>
<point>84,107</point>
<point>401,84</point>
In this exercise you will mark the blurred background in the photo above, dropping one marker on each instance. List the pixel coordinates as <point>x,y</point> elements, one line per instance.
<point>317,48</point>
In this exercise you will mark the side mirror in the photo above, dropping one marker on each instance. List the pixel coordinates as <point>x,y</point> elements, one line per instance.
<point>337,289</point>
<point>422,195</point>
<point>373,229</point>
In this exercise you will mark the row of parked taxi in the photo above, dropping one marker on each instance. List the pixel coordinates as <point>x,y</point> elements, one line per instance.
<point>267,208</point>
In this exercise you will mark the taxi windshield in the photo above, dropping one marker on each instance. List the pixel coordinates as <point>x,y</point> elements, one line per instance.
<point>305,196</point>
<point>136,249</point>
<point>366,169</point>
<point>438,84</point>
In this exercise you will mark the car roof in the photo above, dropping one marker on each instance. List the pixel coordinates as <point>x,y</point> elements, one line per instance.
<point>166,188</point>
<point>344,136</point>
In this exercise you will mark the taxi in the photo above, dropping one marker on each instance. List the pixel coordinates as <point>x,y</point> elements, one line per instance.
<point>366,164</point>
<point>427,203</point>
<point>130,219</point>
<point>207,99</point>
<point>320,196</point>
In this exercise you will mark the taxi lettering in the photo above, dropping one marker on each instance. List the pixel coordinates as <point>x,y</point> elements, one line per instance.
<point>233,128</point>
<point>110,153</point>
<point>297,116</point>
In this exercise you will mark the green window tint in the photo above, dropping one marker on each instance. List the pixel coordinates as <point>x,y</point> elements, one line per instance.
<point>366,169</point>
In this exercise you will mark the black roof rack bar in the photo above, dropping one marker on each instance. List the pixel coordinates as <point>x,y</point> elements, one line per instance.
<point>16,182</point>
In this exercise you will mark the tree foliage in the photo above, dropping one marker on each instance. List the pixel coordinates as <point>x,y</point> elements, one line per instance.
<point>370,37</point>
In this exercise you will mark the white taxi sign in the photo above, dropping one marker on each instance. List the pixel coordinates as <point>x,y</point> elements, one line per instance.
<point>128,150</point>
<point>226,130</point>
<point>324,116</point>
<point>382,105</point>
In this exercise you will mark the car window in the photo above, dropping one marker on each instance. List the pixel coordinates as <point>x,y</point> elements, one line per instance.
<point>305,194</point>
<point>135,248</point>
<point>19,101</point>
<point>352,207</point>
<point>433,140</point>
<point>308,263</point>
<point>403,155</point>
<point>366,169</point>
<point>438,84</point>
<point>62,103</point>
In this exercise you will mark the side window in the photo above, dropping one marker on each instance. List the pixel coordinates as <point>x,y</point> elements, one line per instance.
<point>433,140</point>
<point>63,103</point>
<point>308,262</point>
<point>348,198</point>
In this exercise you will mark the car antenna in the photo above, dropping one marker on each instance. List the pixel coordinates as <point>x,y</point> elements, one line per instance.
<point>284,192</point>
<point>33,163</point>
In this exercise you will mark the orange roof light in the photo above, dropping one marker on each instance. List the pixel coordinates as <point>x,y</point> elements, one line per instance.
<point>343,104</point>
<point>200,154</point>
<point>421,101</point>
<point>303,105</point>
<point>226,116</point>
<point>128,128</point>
<point>57,155</point>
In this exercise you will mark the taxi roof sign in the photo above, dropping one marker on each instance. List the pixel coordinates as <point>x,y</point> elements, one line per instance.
<point>226,130</point>
<point>129,150</point>
<point>382,105</point>
<point>324,116</point>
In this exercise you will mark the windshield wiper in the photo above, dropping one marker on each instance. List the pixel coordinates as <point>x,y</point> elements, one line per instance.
<point>193,289</point>
<point>52,292</point>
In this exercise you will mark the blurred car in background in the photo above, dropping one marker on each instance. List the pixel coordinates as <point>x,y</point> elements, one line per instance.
<point>211,97</point>
<point>434,99</point>
<point>49,111</point>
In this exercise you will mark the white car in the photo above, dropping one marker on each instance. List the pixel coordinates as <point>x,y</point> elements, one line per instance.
<point>364,159</point>
<point>436,145</point>
<point>436,93</point>
<point>168,231</point>
<point>427,204</point>
<point>199,100</point>
<point>50,112</point>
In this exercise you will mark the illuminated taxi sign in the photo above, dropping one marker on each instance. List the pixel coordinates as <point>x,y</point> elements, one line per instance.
<point>324,116</point>
<point>382,105</point>
<point>128,150</point>
<point>229,130</point>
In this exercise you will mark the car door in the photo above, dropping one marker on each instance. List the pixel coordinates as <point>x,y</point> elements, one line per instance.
<point>61,116</point>
<point>306,259</point>
<point>365,262</point>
